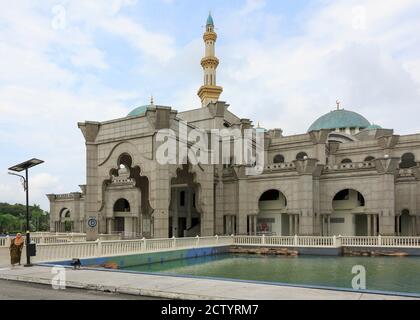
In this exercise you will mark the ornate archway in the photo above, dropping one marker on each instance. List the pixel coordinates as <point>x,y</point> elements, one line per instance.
<point>349,216</point>
<point>272,218</point>
<point>184,208</point>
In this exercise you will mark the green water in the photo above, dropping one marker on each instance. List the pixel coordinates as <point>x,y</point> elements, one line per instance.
<point>398,274</point>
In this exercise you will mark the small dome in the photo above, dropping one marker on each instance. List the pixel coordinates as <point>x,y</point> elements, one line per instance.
<point>139,111</point>
<point>373,127</point>
<point>338,119</point>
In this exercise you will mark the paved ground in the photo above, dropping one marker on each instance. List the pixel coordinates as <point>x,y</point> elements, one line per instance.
<point>179,287</point>
<point>13,290</point>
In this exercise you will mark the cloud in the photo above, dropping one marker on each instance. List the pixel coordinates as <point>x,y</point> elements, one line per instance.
<point>252,5</point>
<point>284,69</point>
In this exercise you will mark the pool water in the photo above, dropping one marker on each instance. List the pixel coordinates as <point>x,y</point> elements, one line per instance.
<point>397,274</point>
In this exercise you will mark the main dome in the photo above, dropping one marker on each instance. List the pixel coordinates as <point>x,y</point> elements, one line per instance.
<point>338,119</point>
<point>139,111</point>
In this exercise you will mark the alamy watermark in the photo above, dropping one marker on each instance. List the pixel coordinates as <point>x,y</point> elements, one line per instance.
<point>228,146</point>
<point>359,280</point>
<point>58,281</point>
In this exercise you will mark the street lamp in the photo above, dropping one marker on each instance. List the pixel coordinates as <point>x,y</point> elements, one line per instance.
<point>19,168</point>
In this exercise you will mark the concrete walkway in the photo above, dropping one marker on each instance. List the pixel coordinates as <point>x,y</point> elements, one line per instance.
<point>180,287</point>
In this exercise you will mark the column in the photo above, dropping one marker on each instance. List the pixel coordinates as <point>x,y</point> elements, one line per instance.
<point>329,225</point>
<point>375,225</point>
<point>369,226</point>
<point>290,225</point>
<point>397,218</point>
<point>189,202</point>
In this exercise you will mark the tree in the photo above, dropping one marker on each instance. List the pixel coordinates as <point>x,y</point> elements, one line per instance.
<point>13,218</point>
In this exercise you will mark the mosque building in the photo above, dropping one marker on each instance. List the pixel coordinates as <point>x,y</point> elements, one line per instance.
<point>344,176</point>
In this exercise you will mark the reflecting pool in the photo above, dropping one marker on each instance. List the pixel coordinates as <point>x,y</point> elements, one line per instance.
<point>397,274</point>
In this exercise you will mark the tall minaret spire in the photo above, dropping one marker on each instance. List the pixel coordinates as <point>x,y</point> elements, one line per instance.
<point>209,91</point>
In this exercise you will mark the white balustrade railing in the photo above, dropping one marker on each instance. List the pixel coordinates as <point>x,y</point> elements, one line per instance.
<point>381,241</point>
<point>67,250</point>
<point>4,242</point>
<point>287,241</point>
<point>52,238</point>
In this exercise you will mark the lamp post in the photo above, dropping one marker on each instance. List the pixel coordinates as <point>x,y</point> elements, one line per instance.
<point>19,168</point>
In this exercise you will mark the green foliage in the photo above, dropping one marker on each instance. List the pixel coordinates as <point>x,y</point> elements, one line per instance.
<point>13,218</point>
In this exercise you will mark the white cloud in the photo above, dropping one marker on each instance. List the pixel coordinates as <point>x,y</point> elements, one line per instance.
<point>51,79</point>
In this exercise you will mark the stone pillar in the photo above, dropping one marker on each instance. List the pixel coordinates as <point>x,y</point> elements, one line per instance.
<point>242,206</point>
<point>369,226</point>
<point>206,198</point>
<point>90,131</point>
<point>386,168</point>
<point>219,207</point>
<point>375,225</point>
<point>329,225</point>
<point>308,170</point>
<point>291,225</point>
<point>189,202</point>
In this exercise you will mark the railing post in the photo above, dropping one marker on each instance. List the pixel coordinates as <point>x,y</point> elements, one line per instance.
<point>379,240</point>
<point>7,243</point>
<point>71,237</point>
<point>263,239</point>
<point>295,240</point>
<point>334,241</point>
<point>173,242</point>
<point>98,248</point>
<point>217,239</point>
<point>233,238</point>
<point>198,241</point>
<point>144,244</point>
<point>339,244</point>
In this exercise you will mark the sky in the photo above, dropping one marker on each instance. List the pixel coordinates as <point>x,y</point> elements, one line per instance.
<point>283,63</point>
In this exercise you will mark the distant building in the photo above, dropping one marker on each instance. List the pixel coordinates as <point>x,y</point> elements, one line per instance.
<point>345,176</point>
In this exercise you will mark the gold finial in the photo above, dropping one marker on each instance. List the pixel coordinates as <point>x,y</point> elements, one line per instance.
<point>337,102</point>
<point>151,100</point>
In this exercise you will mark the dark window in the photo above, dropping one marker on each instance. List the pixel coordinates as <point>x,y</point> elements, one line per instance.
<point>122,205</point>
<point>194,200</point>
<point>408,160</point>
<point>270,195</point>
<point>301,156</point>
<point>182,198</point>
<point>370,158</point>
<point>346,161</point>
<point>342,195</point>
<point>361,199</point>
<point>278,159</point>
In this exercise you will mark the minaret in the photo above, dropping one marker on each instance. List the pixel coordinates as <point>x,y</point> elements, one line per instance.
<point>209,92</point>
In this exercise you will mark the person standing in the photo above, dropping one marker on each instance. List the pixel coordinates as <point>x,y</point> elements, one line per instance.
<point>16,247</point>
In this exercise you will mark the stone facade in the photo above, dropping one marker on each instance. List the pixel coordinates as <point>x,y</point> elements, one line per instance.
<point>348,180</point>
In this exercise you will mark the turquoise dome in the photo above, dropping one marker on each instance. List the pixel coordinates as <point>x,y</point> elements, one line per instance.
<point>210,20</point>
<point>373,127</point>
<point>139,111</point>
<point>340,119</point>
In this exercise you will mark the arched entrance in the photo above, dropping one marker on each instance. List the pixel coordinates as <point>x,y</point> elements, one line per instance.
<point>272,218</point>
<point>349,217</point>
<point>405,224</point>
<point>121,221</point>
<point>126,200</point>
<point>65,224</point>
<point>184,216</point>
